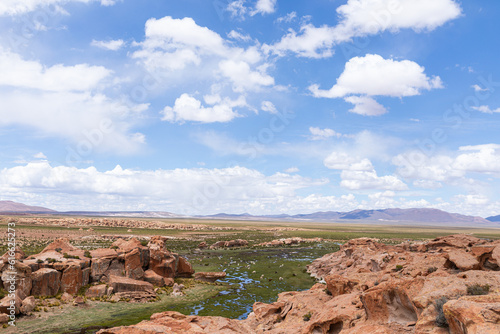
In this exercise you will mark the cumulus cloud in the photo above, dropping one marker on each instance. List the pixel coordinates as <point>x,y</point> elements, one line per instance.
<point>486,109</point>
<point>366,17</point>
<point>188,108</point>
<point>322,134</point>
<point>372,75</point>
<point>269,107</point>
<point>264,7</point>
<point>21,73</point>
<point>112,45</point>
<point>479,159</point>
<point>170,45</point>
<point>66,101</point>
<point>19,7</point>
<point>198,190</point>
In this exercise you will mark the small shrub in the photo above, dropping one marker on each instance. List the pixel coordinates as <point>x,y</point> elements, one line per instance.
<point>144,242</point>
<point>440,318</point>
<point>328,292</point>
<point>114,247</point>
<point>399,267</point>
<point>58,250</point>
<point>430,270</point>
<point>39,261</point>
<point>67,256</point>
<point>477,289</point>
<point>87,254</point>
<point>307,316</point>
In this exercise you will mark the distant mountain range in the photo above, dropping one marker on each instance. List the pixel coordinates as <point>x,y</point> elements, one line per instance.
<point>386,216</point>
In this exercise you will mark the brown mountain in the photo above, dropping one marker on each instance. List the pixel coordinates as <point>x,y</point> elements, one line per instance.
<point>9,206</point>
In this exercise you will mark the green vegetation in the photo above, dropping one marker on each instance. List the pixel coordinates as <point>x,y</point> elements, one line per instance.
<point>477,289</point>
<point>440,318</point>
<point>307,316</point>
<point>430,270</point>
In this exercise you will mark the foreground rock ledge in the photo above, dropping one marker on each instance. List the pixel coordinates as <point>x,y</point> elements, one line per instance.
<point>372,288</point>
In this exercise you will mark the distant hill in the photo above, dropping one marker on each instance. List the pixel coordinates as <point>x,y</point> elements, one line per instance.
<point>494,218</point>
<point>9,206</point>
<point>426,216</point>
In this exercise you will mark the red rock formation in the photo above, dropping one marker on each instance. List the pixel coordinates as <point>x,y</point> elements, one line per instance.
<point>209,276</point>
<point>46,282</point>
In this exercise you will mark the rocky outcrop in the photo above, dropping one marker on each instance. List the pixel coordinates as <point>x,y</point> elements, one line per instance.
<point>209,276</point>
<point>374,288</point>
<point>125,284</point>
<point>96,291</point>
<point>230,244</point>
<point>46,282</point>
<point>289,241</point>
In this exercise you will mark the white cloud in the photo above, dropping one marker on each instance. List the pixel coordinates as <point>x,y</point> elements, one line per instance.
<point>287,18</point>
<point>187,108</point>
<point>292,170</point>
<point>373,75</point>
<point>367,17</point>
<point>264,7</point>
<point>39,155</point>
<point>19,7</point>
<point>478,88</point>
<point>197,190</point>
<point>239,36</point>
<point>113,45</point>
<point>237,8</point>
<point>365,105</point>
<point>322,134</point>
<point>269,107</point>
<point>486,109</point>
<point>242,76</point>
<point>310,42</point>
<point>17,72</point>
<point>482,159</point>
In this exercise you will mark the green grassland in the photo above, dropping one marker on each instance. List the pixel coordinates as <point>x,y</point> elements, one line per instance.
<point>254,273</point>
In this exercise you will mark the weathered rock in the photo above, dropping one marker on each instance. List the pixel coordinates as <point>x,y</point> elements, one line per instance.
<point>21,275</point>
<point>202,245</point>
<point>72,279</point>
<point>18,255</point>
<point>46,282</point>
<point>389,303</point>
<point>168,281</point>
<point>174,322</point>
<point>66,297</point>
<point>209,276</point>
<point>125,284</point>
<point>456,240</point>
<point>4,318</point>
<point>115,268</point>
<point>28,305</point>
<point>135,296</point>
<point>338,285</point>
<point>230,243</point>
<point>133,264</point>
<point>184,268</point>
<point>153,278</point>
<point>79,301</point>
<point>8,304</point>
<point>463,260</point>
<point>177,290</point>
<point>96,291</point>
<point>474,315</point>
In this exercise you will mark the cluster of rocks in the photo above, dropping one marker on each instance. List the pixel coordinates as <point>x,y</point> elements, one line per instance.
<point>289,241</point>
<point>114,222</point>
<point>225,244</point>
<point>448,285</point>
<point>126,270</point>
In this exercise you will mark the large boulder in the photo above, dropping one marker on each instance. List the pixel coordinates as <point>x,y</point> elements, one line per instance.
<point>10,305</point>
<point>184,268</point>
<point>209,276</point>
<point>153,278</point>
<point>125,284</point>
<point>28,305</point>
<point>474,315</point>
<point>46,282</point>
<point>20,275</point>
<point>133,264</point>
<point>96,291</point>
<point>463,260</point>
<point>73,279</point>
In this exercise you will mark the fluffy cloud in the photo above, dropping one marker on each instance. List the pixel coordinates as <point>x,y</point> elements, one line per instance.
<point>481,159</point>
<point>180,190</point>
<point>187,108</point>
<point>172,44</point>
<point>20,73</point>
<point>242,77</point>
<point>66,101</point>
<point>367,17</point>
<point>486,109</point>
<point>18,7</point>
<point>113,45</point>
<point>321,134</point>
<point>373,75</point>
<point>269,107</point>
<point>265,7</point>
<point>359,173</point>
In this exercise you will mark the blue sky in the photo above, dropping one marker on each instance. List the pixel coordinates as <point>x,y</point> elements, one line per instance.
<point>259,106</point>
